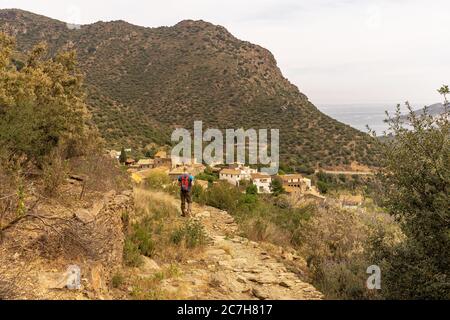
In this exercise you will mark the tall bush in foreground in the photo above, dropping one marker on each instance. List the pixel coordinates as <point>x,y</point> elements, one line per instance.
<point>415,186</point>
<point>41,105</point>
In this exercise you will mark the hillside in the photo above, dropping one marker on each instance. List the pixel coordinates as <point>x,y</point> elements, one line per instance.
<point>433,110</point>
<point>143,82</point>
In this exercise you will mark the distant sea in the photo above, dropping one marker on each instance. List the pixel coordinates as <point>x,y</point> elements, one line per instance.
<point>360,115</point>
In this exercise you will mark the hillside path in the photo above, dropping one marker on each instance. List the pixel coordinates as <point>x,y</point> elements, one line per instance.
<point>232,267</point>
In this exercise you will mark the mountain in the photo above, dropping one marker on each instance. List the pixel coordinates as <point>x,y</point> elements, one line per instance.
<point>433,110</point>
<point>144,82</point>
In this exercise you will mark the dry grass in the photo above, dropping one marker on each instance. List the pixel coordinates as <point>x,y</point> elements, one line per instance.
<point>154,204</point>
<point>334,242</point>
<point>158,223</point>
<point>152,288</point>
<point>258,229</point>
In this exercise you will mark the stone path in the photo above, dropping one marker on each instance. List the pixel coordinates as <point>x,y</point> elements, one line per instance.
<point>232,267</point>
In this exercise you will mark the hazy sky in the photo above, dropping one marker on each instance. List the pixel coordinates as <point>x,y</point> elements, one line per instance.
<point>335,51</point>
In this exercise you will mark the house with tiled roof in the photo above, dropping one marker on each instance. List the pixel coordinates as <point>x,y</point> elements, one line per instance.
<point>162,160</point>
<point>145,163</point>
<point>295,182</point>
<point>262,181</point>
<point>232,176</point>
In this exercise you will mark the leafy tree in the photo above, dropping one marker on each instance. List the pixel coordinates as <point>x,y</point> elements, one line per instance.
<point>150,153</point>
<point>276,186</point>
<point>415,186</point>
<point>206,177</point>
<point>41,105</point>
<point>322,186</point>
<point>444,91</point>
<point>251,189</point>
<point>123,156</point>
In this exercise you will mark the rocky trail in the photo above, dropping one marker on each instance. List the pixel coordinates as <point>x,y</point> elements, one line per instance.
<point>228,267</point>
<point>232,267</point>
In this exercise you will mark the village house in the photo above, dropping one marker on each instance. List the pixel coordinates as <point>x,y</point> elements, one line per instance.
<point>299,187</point>
<point>247,172</point>
<point>130,162</point>
<point>197,168</point>
<point>232,176</point>
<point>145,164</point>
<point>193,170</point>
<point>178,161</point>
<point>296,182</point>
<point>162,160</point>
<point>262,182</point>
<point>176,172</point>
<point>114,154</point>
<point>236,173</point>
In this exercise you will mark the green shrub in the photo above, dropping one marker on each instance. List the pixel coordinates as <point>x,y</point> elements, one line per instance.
<point>141,235</point>
<point>322,186</point>
<point>158,180</point>
<point>117,280</point>
<point>207,177</point>
<point>192,234</point>
<point>197,192</point>
<point>251,190</point>
<point>131,254</point>
<point>276,186</point>
<point>222,195</point>
<point>415,189</point>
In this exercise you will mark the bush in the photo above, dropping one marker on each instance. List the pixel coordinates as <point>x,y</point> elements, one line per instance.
<point>158,231</point>
<point>322,186</point>
<point>54,173</point>
<point>158,179</point>
<point>197,192</point>
<point>335,245</point>
<point>131,254</point>
<point>142,236</point>
<point>415,188</point>
<point>117,280</point>
<point>223,196</point>
<point>191,234</point>
<point>251,190</point>
<point>42,105</point>
<point>207,177</point>
<point>277,186</point>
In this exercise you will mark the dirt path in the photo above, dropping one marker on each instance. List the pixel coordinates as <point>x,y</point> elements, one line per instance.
<point>232,267</point>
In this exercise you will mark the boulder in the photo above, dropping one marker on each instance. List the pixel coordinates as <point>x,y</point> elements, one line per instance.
<point>70,279</point>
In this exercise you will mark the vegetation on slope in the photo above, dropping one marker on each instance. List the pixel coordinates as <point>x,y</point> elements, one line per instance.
<point>143,82</point>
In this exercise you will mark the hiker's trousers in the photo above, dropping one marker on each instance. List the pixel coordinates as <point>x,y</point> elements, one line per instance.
<point>186,197</point>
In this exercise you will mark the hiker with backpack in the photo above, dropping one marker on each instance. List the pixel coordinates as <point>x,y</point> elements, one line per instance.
<point>185,181</point>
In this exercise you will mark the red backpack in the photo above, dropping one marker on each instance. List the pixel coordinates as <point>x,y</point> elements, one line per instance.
<point>185,182</point>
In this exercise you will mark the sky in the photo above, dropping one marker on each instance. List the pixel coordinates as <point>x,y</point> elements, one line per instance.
<point>335,51</point>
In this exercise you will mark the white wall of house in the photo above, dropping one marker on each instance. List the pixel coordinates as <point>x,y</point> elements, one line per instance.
<point>231,178</point>
<point>247,171</point>
<point>307,183</point>
<point>263,185</point>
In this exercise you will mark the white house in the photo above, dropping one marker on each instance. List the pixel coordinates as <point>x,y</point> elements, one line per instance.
<point>233,176</point>
<point>115,154</point>
<point>262,181</point>
<point>247,172</point>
